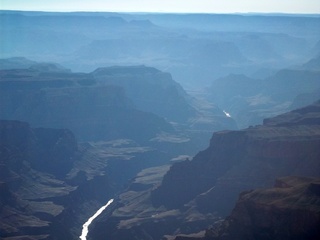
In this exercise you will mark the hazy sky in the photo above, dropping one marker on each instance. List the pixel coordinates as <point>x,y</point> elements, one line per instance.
<point>214,6</point>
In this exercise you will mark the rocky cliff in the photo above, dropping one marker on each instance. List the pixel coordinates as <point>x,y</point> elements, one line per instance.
<point>33,163</point>
<point>289,210</point>
<point>117,102</point>
<point>50,184</point>
<point>197,192</point>
<point>55,98</point>
<point>239,160</point>
<point>151,90</point>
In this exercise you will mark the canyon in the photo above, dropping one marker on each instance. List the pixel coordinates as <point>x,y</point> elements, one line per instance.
<point>139,151</point>
<point>196,194</point>
<point>289,210</point>
<point>197,126</point>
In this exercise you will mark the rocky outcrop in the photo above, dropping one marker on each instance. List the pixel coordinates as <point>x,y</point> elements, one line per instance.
<point>49,150</point>
<point>196,192</point>
<point>32,164</point>
<point>50,184</point>
<point>134,102</point>
<point>289,210</point>
<point>48,97</point>
<point>151,90</point>
<point>240,160</point>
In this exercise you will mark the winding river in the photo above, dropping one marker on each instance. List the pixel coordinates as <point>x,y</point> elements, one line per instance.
<point>85,226</point>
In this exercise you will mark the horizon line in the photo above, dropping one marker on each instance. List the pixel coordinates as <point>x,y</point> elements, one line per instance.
<point>159,12</point>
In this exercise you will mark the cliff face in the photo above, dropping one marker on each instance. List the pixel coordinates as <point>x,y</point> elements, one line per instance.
<point>289,210</point>
<point>197,193</point>
<point>49,150</point>
<point>32,164</point>
<point>47,96</point>
<point>240,160</point>
<point>150,89</point>
<point>50,184</point>
<point>117,102</point>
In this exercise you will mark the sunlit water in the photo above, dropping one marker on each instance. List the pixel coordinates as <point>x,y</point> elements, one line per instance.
<point>226,113</point>
<point>85,227</point>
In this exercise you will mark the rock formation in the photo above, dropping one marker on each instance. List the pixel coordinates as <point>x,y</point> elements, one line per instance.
<point>32,164</point>
<point>109,103</point>
<point>250,100</point>
<point>246,159</point>
<point>198,192</point>
<point>67,100</point>
<point>289,210</point>
<point>50,184</point>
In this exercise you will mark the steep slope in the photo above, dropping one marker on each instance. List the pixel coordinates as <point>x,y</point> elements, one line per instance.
<point>195,193</point>
<point>135,102</point>
<point>245,159</point>
<point>289,210</point>
<point>50,184</point>
<point>155,91</point>
<point>49,97</point>
<point>32,164</point>
<point>150,89</point>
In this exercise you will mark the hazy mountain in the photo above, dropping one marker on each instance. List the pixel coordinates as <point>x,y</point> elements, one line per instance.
<point>137,102</point>
<point>250,100</point>
<point>71,100</point>
<point>195,48</point>
<point>150,90</point>
<point>16,63</point>
<point>313,64</point>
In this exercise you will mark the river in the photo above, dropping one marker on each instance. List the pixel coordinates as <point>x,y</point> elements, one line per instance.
<point>85,226</point>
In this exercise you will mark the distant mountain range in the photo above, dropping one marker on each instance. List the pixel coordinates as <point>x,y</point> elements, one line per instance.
<point>194,48</point>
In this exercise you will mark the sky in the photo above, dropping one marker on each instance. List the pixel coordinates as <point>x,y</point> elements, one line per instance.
<point>177,6</point>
